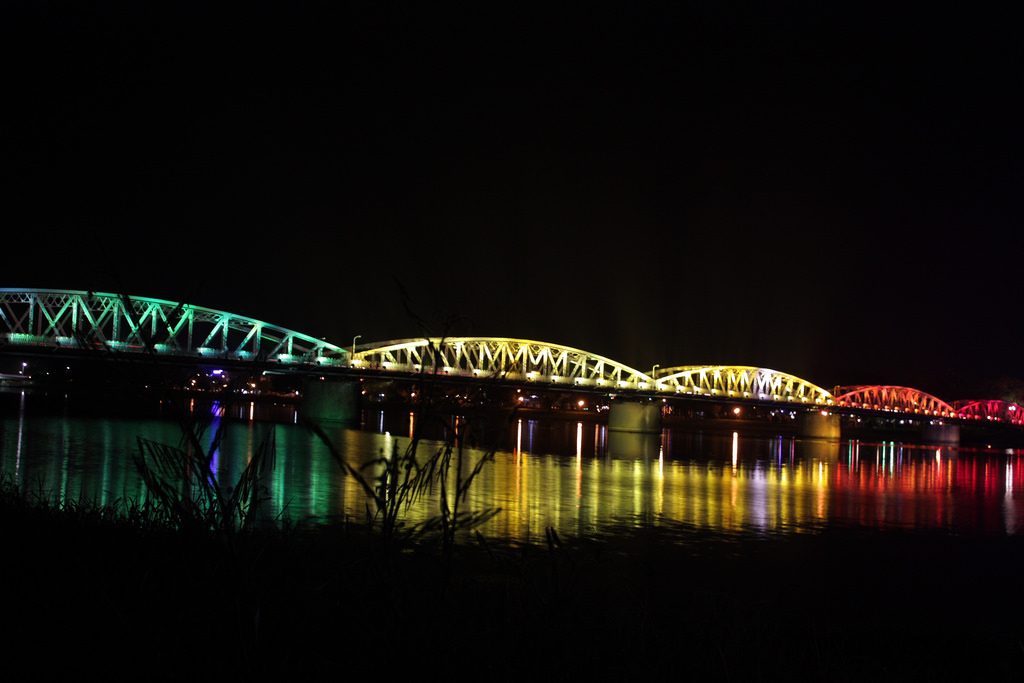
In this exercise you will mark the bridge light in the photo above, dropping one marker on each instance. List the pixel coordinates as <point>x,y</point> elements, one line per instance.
<point>736,410</point>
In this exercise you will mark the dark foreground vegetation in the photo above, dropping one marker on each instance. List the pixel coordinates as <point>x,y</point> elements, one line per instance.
<point>117,595</point>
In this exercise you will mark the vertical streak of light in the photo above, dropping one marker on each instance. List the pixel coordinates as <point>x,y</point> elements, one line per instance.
<point>252,409</point>
<point>1009,513</point>
<point>412,423</point>
<point>21,430</point>
<point>579,462</point>
<point>519,470</point>
<point>735,449</point>
<point>65,448</point>
<point>519,440</point>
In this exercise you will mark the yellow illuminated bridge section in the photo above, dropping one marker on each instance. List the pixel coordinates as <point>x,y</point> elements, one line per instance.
<point>532,361</point>
<point>741,382</point>
<point>511,359</point>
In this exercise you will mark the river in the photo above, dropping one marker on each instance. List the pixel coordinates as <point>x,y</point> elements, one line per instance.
<point>575,477</point>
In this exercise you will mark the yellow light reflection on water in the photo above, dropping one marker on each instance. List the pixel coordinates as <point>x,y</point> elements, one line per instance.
<point>579,461</point>
<point>735,448</point>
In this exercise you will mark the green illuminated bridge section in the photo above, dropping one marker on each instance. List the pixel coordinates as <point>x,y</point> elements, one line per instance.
<point>100,321</point>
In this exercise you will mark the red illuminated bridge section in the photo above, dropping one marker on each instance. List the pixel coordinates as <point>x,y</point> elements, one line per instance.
<point>991,411</point>
<point>892,399</point>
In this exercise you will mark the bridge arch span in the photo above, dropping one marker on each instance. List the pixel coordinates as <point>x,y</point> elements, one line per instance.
<point>994,410</point>
<point>73,319</point>
<point>508,358</point>
<point>893,399</point>
<point>740,382</point>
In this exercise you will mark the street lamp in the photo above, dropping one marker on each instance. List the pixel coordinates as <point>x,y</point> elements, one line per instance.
<point>23,366</point>
<point>654,369</point>
<point>358,336</point>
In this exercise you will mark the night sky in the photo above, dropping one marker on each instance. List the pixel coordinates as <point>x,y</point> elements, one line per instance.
<point>829,191</point>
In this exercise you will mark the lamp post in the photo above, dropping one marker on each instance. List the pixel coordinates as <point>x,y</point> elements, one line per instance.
<point>655,369</point>
<point>358,336</point>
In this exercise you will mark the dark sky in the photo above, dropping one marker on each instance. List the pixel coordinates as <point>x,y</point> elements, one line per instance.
<point>834,192</point>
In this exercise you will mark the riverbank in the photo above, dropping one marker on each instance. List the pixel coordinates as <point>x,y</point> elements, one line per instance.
<point>127,598</point>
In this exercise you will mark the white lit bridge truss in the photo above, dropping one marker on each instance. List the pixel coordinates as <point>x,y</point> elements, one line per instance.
<point>741,382</point>
<point>893,399</point>
<point>97,321</point>
<point>510,359</point>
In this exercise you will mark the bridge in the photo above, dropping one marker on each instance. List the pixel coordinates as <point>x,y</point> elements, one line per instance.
<point>91,323</point>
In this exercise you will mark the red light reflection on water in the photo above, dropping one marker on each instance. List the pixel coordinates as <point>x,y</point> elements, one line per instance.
<point>889,484</point>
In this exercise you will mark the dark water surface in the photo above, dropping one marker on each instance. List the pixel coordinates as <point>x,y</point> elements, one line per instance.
<point>573,476</point>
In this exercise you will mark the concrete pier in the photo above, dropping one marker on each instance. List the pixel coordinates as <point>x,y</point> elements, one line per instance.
<point>941,433</point>
<point>819,425</point>
<point>633,417</point>
<point>329,401</point>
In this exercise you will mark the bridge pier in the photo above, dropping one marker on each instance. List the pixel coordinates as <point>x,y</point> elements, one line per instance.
<point>329,401</point>
<point>941,433</point>
<point>819,424</point>
<point>636,418</point>
<point>634,429</point>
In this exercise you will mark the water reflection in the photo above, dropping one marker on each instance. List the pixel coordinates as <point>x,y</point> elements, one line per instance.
<point>630,445</point>
<point>574,476</point>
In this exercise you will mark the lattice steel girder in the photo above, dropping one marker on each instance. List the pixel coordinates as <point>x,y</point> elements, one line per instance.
<point>740,382</point>
<point>100,320</point>
<point>513,359</point>
<point>893,399</point>
<point>992,410</point>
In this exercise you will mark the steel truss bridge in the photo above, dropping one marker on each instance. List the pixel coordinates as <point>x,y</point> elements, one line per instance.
<point>90,323</point>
